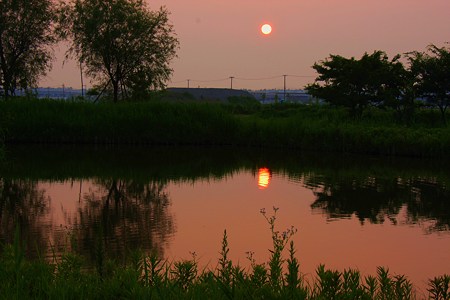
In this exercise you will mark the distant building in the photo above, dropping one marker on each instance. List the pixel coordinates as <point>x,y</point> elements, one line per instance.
<point>212,94</point>
<point>291,96</point>
<point>53,93</point>
<point>217,94</point>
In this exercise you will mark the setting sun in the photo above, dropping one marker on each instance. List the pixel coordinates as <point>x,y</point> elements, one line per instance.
<point>266,29</point>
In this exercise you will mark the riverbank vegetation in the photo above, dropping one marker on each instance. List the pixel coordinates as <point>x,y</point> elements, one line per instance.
<point>157,122</point>
<point>150,276</point>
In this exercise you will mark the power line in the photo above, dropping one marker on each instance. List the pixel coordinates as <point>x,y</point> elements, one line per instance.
<point>243,78</point>
<point>301,76</point>
<point>211,80</point>
<point>233,78</point>
<point>256,79</point>
<point>181,81</point>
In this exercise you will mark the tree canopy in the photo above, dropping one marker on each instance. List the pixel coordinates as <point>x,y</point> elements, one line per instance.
<point>432,76</point>
<point>26,32</point>
<point>121,43</point>
<point>357,83</point>
<point>376,80</point>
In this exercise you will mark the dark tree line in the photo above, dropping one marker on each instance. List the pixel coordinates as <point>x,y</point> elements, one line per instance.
<point>376,80</point>
<point>122,44</point>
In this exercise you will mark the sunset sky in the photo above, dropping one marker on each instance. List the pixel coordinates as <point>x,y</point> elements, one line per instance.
<point>219,39</point>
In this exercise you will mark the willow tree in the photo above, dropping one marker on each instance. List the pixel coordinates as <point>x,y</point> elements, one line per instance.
<point>26,34</point>
<point>121,43</point>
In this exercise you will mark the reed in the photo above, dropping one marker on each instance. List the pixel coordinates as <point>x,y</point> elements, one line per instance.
<point>150,277</point>
<point>317,128</point>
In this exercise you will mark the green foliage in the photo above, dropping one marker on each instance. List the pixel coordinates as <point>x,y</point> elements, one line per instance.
<point>121,43</point>
<point>25,37</point>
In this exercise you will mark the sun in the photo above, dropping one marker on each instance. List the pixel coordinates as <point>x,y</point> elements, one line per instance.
<point>266,29</point>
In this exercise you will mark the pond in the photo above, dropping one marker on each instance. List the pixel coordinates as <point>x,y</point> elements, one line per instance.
<point>349,211</point>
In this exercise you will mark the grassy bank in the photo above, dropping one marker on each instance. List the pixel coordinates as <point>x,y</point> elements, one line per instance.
<point>150,277</point>
<point>317,128</point>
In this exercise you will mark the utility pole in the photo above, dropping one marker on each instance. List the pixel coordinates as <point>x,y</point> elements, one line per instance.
<point>81,75</point>
<point>284,97</point>
<point>231,80</point>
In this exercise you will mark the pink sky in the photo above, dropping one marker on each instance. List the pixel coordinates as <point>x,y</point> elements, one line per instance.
<point>219,39</point>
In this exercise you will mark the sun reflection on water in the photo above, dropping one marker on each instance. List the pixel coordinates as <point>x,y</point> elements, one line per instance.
<point>263,178</point>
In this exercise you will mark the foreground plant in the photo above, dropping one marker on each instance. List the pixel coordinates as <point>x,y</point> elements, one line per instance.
<point>439,287</point>
<point>279,241</point>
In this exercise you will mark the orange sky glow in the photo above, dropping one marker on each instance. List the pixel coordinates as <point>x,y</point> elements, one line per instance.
<point>219,39</point>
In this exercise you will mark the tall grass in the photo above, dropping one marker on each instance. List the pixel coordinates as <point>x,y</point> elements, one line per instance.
<point>136,123</point>
<point>151,277</point>
<point>277,126</point>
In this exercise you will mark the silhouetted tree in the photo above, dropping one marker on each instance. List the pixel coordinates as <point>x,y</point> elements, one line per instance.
<point>26,32</point>
<point>121,43</point>
<point>432,71</point>
<point>355,84</point>
<point>397,91</point>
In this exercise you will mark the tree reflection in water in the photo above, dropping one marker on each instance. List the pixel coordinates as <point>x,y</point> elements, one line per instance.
<point>24,205</point>
<point>128,206</point>
<point>426,200</point>
<point>123,215</point>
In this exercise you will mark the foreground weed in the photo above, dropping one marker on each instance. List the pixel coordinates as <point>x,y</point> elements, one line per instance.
<point>279,241</point>
<point>259,275</point>
<point>351,285</point>
<point>225,265</point>
<point>185,272</point>
<point>154,270</point>
<point>292,276</point>
<point>439,287</point>
<point>225,269</point>
<point>371,286</point>
<point>70,267</point>
<point>329,283</point>
<point>393,287</point>
<point>294,288</point>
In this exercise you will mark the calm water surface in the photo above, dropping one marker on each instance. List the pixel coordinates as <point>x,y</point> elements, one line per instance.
<point>350,212</point>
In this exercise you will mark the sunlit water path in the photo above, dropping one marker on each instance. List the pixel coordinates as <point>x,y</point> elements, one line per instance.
<point>347,216</point>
